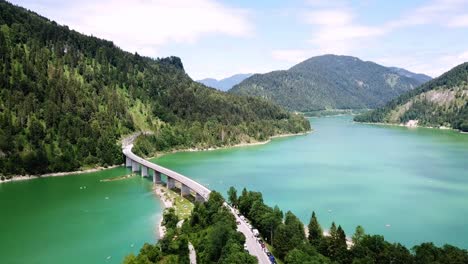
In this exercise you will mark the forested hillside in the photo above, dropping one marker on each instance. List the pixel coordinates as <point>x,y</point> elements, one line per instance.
<point>329,82</point>
<point>66,99</point>
<point>440,102</point>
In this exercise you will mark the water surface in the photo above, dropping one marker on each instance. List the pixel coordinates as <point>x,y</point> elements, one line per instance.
<point>76,219</point>
<point>414,180</point>
<point>410,185</point>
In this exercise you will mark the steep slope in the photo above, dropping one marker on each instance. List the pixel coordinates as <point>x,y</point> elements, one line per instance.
<point>440,102</point>
<point>66,99</point>
<point>422,78</point>
<point>328,82</point>
<point>226,83</point>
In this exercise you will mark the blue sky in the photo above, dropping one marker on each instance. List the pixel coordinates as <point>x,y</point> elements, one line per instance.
<point>219,38</point>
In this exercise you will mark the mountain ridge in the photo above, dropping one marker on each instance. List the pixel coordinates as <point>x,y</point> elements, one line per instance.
<point>328,82</point>
<point>226,83</point>
<point>441,102</point>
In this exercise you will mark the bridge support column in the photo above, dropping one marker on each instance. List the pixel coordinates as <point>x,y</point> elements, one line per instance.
<point>199,198</point>
<point>156,177</point>
<point>184,190</point>
<point>135,166</point>
<point>170,183</point>
<point>128,162</point>
<point>144,171</point>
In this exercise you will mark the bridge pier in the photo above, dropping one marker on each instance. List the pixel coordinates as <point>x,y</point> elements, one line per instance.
<point>184,190</point>
<point>156,177</point>
<point>170,183</point>
<point>128,162</point>
<point>144,171</point>
<point>135,166</point>
<point>199,198</point>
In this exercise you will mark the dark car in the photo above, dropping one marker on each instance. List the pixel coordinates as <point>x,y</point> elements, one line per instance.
<point>268,254</point>
<point>272,259</point>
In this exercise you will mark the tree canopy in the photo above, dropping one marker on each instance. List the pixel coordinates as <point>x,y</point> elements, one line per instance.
<point>67,99</point>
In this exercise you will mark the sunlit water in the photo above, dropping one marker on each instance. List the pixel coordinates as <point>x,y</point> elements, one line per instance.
<point>76,219</point>
<point>410,185</point>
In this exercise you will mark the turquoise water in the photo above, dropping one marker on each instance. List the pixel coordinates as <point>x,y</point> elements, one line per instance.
<point>57,220</point>
<point>410,185</point>
<point>415,180</point>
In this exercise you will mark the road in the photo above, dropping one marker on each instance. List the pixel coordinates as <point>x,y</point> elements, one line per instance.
<point>192,254</point>
<point>253,246</point>
<point>193,185</point>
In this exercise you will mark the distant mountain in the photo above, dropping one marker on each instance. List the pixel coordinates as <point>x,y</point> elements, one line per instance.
<point>418,76</point>
<point>329,82</point>
<point>440,102</point>
<point>226,83</point>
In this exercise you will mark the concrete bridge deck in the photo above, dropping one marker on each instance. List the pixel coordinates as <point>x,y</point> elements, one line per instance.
<point>187,185</point>
<point>171,175</point>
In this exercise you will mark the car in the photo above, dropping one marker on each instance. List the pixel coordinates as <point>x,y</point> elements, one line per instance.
<point>242,218</point>
<point>255,232</point>
<point>238,222</point>
<point>245,247</point>
<point>263,245</point>
<point>272,259</point>
<point>268,253</point>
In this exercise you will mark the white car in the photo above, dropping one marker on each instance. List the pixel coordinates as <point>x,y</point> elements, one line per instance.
<point>245,247</point>
<point>255,232</point>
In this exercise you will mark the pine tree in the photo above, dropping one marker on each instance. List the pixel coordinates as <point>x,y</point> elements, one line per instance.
<point>315,230</point>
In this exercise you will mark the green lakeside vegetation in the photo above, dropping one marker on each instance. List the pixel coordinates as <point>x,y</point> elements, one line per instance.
<point>212,230</point>
<point>67,99</point>
<point>442,102</point>
<point>181,206</point>
<point>330,82</point>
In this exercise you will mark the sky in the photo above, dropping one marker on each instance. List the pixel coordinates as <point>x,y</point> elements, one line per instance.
<point>220,38</point>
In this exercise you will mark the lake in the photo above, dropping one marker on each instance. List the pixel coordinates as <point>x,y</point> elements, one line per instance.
<point>410,185</point>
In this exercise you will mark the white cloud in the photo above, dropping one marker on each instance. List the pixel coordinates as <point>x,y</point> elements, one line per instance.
<point>146,25</point>
<point>430,64</point>
<point>337,32</point>
<point>437,12</point>
<point>335,26</point>
<point>459,21</point>
<point>329,17</point>
<point>290,55</point>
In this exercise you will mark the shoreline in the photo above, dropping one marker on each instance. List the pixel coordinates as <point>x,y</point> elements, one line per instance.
<point>15,178</point>
<point>415,126</point>
<point>250,144</point>
<point>159,191</point>
<point>56,174</point>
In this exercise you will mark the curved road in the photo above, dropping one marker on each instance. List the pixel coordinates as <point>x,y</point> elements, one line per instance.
<point>253,246</point>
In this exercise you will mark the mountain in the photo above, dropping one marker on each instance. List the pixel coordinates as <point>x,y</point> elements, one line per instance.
<point>328,82</point>
<point>440,102</point>
<point>422,78</point>
<point>67,99</point>
<point>226,83</point>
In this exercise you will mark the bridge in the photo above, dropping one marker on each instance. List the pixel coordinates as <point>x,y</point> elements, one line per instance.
<point>187,187</point>
<point>149,169</point>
